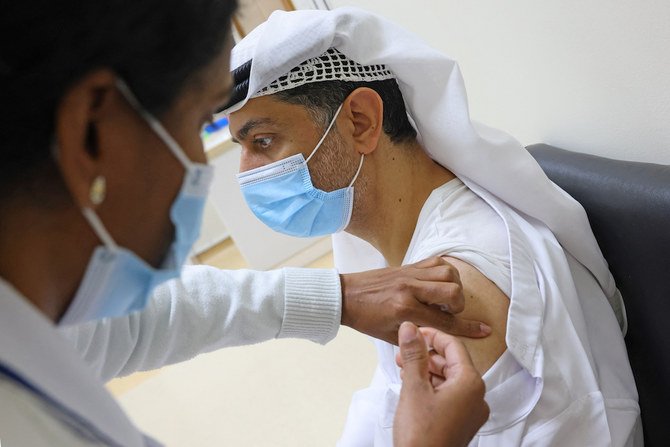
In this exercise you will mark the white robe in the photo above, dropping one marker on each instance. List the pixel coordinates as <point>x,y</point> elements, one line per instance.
<point>565,379</point>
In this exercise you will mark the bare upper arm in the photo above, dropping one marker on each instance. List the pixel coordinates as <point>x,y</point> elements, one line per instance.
<point>484,302</point>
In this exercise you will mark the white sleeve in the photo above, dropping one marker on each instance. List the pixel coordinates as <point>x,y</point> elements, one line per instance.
<point>208,309</point>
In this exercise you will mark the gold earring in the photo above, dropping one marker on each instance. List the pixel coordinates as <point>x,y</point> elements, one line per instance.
<point>98,190</point>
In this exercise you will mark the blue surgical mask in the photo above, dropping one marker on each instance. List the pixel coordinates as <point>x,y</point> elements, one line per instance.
<point>117,281</point>
<point>283,197</point>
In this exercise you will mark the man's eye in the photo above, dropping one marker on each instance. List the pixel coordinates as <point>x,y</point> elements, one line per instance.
<point>263,143</point>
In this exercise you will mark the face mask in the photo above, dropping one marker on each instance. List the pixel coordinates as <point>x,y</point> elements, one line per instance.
<point>117,281</point>
<point>283,197</point>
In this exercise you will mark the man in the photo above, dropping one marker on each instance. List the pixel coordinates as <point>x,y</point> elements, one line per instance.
<point>328,145</point>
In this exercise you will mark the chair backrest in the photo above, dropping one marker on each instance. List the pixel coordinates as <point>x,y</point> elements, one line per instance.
<point>628,204</point>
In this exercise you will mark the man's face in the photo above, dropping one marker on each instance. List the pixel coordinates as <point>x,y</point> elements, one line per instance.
<point>270,130</point>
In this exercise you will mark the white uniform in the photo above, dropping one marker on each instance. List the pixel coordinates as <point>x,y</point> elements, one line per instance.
<point>52,380</point>
<point>565,379</point>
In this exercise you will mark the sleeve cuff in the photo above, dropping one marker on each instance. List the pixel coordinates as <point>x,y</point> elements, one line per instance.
<point>312,304</point>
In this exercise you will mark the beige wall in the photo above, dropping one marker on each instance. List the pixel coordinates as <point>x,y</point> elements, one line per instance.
<point>591,76</point>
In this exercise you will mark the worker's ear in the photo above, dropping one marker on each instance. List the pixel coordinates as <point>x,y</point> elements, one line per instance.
<point>365,108</point>
<point>77,132</point>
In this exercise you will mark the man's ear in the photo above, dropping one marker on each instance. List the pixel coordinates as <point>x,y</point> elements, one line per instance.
<point>365,108</point>
<point>76,132</point>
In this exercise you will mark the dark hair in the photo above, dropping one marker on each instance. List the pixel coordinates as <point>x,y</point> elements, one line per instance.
<point>156,46</point>
<point>323,98</point>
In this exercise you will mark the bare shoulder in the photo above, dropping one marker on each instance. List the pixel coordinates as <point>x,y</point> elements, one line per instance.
<point>484,302</point>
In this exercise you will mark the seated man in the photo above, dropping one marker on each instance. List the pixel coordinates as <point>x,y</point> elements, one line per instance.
<point>329,145</point>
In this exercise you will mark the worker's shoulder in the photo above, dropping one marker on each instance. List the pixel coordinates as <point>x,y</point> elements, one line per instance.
<point>27,420</point>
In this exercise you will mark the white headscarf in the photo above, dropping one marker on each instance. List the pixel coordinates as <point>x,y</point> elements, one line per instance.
<point>436,100</point>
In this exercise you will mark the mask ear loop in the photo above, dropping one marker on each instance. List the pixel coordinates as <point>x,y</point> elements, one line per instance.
<point>318,145</point>
<point>99,228</point>
<point>360,165</point>
<point>157,127</point>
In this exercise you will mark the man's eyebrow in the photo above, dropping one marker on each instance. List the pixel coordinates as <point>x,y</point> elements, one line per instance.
<point>249,126</point>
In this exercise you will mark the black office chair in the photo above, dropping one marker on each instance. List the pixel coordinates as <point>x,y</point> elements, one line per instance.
<point>628,205</point>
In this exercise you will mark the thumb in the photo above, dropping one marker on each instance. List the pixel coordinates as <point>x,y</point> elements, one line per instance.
<point>414,354</point>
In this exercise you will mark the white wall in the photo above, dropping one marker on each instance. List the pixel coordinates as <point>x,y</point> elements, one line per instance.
<point>585,75</point>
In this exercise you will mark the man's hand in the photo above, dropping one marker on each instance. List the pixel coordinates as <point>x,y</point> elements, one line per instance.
<point>448,414</point>
<point>427,293</point>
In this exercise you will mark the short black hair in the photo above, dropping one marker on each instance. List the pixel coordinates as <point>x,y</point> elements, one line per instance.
<point>323,98</point>
<point>156,46</point>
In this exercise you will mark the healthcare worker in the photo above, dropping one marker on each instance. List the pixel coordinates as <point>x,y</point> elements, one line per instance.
<point>103,180</point>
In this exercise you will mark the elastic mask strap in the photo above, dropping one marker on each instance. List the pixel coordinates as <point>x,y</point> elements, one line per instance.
<point>360,165</point>
<point>154,124</point>
<point>99,228</point>
<point>318,145</point>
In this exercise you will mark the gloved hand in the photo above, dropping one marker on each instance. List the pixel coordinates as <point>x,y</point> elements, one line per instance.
<point>428,293</point>
<point>447,411</point>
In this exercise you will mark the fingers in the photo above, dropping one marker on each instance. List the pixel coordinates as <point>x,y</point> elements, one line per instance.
<point>429,262</point>
<point>450,348</point>
<point>435,269</point>
<point>436,363</point>
<point>414,356</point>
<point>434,261</point>
<point>437,282</point>
<point>436,380</point>
<point>448,296</point>
<point>439,270</point>
<point>452,410</point>
<point>430,316</point>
